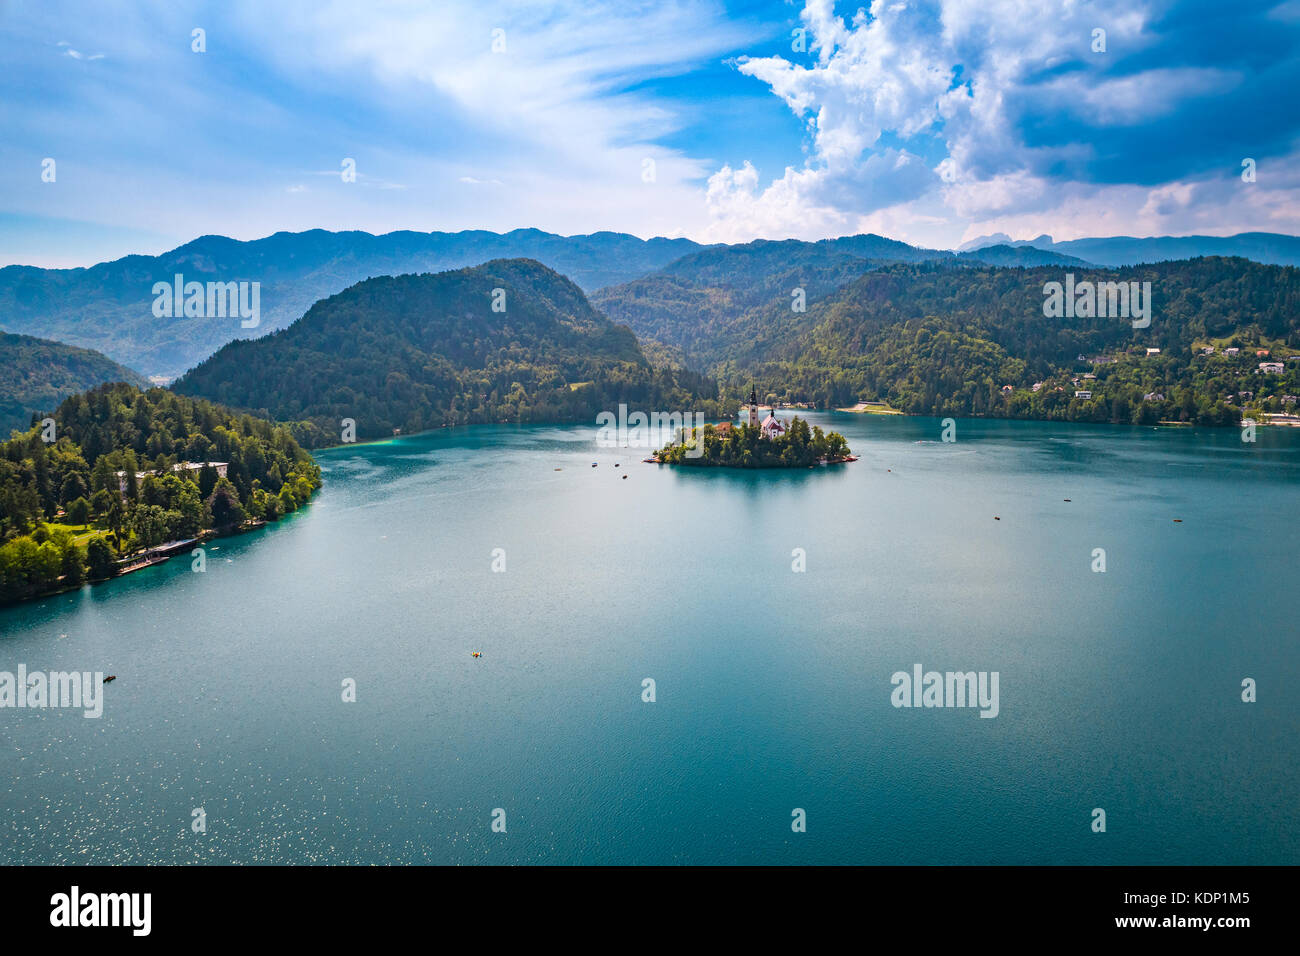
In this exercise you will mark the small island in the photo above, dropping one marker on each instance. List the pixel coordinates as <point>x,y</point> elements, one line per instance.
<point>771,444</point>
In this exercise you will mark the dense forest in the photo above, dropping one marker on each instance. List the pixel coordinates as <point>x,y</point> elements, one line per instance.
<point>933,340</point>
<point>100,484</point>
<point>37,374</point>
<point>733,301</point>
<point>942,339</point>
<point>736,303</point>
<point>508,341</point>
<point>744,447</point>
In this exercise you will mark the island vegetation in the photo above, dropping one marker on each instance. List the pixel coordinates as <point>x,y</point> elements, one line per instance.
<point>130,470</point>
<point>743,446</point>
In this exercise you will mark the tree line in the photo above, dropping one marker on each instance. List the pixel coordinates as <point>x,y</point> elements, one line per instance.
<point>97,484</point>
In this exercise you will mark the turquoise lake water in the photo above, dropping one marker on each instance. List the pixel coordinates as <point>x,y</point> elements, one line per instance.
<point>1118,690</point>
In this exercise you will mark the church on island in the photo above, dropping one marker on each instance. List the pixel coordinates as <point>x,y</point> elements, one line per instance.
<point>771,426</point>
<point>767,443</point>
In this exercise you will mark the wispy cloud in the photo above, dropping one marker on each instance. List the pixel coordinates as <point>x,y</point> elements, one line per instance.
<point>929,120</point>
<point>77,54</point>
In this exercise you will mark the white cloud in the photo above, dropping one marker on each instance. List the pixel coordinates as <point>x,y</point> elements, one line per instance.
<point>77,54</point>
<point>964,77</point>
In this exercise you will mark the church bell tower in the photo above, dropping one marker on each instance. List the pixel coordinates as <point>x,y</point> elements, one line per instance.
<point>753,407</point>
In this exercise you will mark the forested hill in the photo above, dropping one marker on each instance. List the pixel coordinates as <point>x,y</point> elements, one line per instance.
<point>414,352</point>
<point>129,470</point>
<point>932,339</point>
<point>37,374</point>
<point>734,303</point>
<point>108,306</point>
<point>731,301</point>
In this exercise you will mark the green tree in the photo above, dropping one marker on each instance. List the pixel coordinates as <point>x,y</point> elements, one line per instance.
<point>78,511</point>
<point>101,559</point>
<point>74,564</point>
<point>224,506</point>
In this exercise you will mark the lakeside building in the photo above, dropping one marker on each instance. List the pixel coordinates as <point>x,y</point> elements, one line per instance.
<point>191,468</point>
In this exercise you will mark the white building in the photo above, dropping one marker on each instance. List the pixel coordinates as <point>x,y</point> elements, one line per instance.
<point>191,468</point>
<point>1083,393</point>
<point>772,426</point>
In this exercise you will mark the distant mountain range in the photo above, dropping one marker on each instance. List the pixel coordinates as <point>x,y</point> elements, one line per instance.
<point>110,307</point>
<point>37,374</point>
<point>506,341</point>
<point>1267,247</point>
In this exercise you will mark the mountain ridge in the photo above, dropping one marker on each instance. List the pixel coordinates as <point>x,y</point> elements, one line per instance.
<point>1267,248</point>
<point>37,374</point>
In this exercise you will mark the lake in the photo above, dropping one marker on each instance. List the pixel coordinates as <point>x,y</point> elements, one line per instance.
<point>1119,690</point>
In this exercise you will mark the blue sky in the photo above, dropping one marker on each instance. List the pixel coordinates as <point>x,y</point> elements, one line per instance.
<point>934,122</point>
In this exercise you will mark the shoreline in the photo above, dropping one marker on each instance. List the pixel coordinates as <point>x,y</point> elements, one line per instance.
<point>877,408</point>
<point>139,562</point>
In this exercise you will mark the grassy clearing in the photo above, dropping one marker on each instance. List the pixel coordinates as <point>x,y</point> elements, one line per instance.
<point>80,533</point>
<point>872,408</point>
